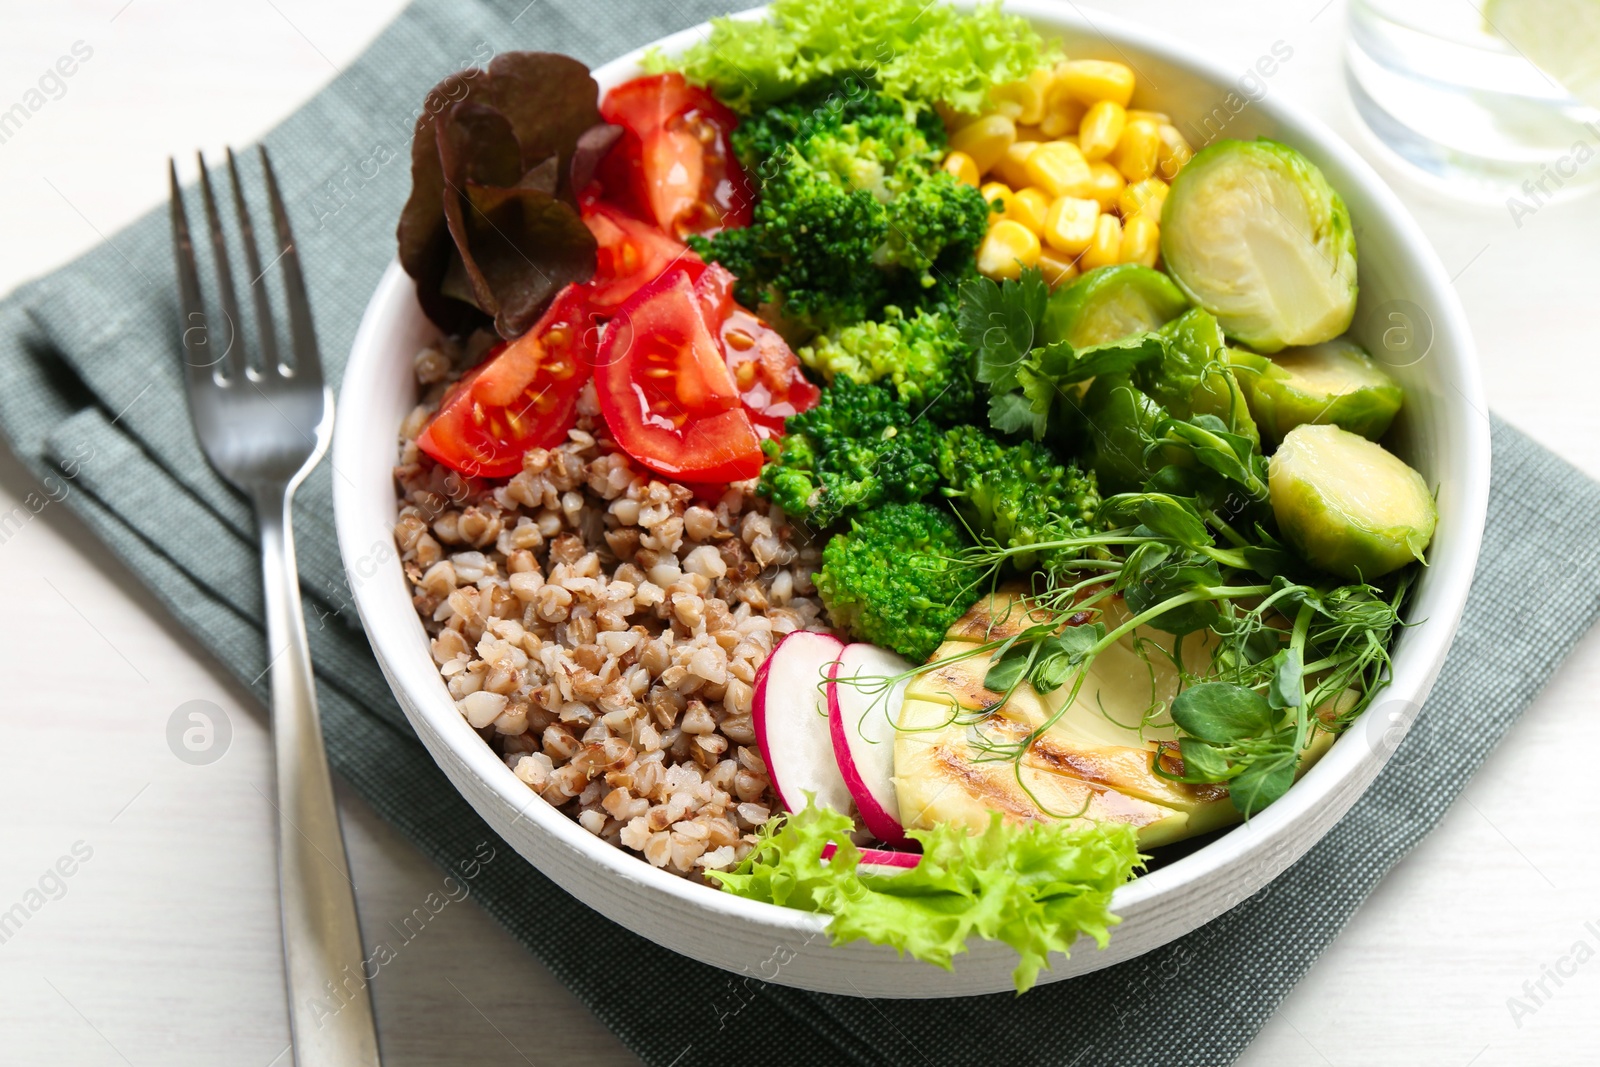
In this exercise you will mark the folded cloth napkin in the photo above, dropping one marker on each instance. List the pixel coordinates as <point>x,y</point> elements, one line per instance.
<point>93,403</point>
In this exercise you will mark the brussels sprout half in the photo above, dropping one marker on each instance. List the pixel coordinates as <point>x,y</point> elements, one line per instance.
<point>1252,232</point>
<point>1335,382</point>
<point>1110,303</point>
<point>1349,506</point>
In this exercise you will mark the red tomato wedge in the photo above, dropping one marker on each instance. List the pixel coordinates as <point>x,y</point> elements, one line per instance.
<point>523,395</point>
<point>632,254</point>
<point>765,371</point>
<point>666,391</point>
<point>675,163</point>
<point>646,104</point>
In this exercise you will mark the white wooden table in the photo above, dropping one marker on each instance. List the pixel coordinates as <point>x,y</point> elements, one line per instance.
<point>161,947</point>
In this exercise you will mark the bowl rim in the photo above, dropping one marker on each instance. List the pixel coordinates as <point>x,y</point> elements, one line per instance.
<point>1272,830</point>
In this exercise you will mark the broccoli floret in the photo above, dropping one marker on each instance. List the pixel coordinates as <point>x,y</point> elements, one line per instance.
<point>922,356</point>
<point>857,449</point>
<point>854,212</point>
<point>1016,494</point>
<point>935,224</point>
<point>893,579</point>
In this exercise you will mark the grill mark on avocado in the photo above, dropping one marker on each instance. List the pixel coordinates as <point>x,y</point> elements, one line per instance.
<point>958,766</point>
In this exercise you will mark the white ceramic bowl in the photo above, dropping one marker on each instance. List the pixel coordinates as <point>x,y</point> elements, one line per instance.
<point>1442,432</point>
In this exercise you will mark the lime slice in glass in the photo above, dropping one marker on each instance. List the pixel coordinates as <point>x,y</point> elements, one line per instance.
<point>1560,37</point>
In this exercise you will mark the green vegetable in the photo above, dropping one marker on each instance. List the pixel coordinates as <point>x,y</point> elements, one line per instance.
<point>1036,887</point>
<point>1110,303</point>
<point>917,52</point>
<point>857,449</point>
<point>1349,505</point>
<point>1182,413</point>
<point>1189,553</point>
<point>1253,233</point>
<point>1335,382</point>
<point>1194,375</point>
<point>1121,420</point>
<point>1015,495</point>
<point>998,320</point>
<point>854,212</point>
<point>1028,380</point>
<point>1236,737</point>
<point>894,579</point>
<point>921,356</point>
<point>1291,656</point>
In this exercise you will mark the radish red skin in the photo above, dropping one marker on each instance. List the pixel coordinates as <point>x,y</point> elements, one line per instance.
<point>879,821</point>
<point>880,857</point>
<point>761,716</point>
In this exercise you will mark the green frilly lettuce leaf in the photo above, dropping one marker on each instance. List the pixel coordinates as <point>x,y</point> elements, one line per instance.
<point>1035,887</point>
<point>916,52</point>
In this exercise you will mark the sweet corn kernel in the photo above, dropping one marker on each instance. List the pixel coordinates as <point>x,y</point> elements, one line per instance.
<point>1093,80</point>
<point>1057,269</point>
<point>1172,152</point>
<point>1013,166</point>
<point>1101,129</point>
<point>962,166</point>
<point>1141,241</point>
<point>1135,155</point>
<point>1160,118</point>
<point>1058,168</point>
<point>1031,133</point>
<point>1007,249</point>
<point>1106,247</point>
<point>1143,198</point>
<point>1029,207</point>
<point>1062,113</point>
<point>1022,100</point>
<point>1105,184</point>
<point>1069,226</point>
<point>998,191</point>
<point>985,140</point>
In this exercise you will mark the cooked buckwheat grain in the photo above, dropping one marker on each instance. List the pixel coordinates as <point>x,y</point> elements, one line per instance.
<point>601,628</point>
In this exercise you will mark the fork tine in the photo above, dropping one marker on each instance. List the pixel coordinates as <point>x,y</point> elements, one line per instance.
<point>252,259</point>
<point>302,333</point>
<point>225,292</point>
<point>195,356</point>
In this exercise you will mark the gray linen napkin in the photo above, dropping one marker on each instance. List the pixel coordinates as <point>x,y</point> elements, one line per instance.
<point>91,400</point>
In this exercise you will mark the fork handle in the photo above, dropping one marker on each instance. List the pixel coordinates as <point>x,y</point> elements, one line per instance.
<point>330,1009</point>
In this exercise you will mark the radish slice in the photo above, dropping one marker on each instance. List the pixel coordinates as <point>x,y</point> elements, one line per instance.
<point>862,721</point>
<point>789,713</point>
<point>880,857</point>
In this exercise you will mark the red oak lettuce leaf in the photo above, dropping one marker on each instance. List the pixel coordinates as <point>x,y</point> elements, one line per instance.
<point>490,228</point>
<point>593,146</point>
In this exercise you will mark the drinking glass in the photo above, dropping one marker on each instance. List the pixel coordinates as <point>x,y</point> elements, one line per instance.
<point>1437,83</point>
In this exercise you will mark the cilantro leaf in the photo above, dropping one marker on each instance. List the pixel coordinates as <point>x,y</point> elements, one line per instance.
<point>1012,413</point>
<point>997,320</point>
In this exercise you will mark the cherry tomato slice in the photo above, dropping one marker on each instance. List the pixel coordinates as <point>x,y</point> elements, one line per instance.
<point>675,163</point>
<point>646,104</point>
<point>523,395</point>
<point>632,254</point>
<point>765,371</point>
<point>666,391</point>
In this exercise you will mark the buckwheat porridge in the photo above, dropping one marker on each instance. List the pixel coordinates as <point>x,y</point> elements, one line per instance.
<point>601,628</point>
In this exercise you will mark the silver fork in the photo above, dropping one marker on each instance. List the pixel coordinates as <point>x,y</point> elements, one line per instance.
<point>264,424</point>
